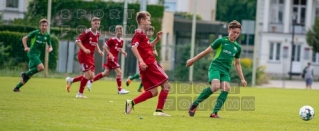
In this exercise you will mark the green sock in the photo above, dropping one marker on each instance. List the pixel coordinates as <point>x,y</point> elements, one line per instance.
<point>202,96</point>
<point>32,71</point>
<point>220,101</point>
<point>140,87</point>
<point>19,85</point>
<point>136,76</point>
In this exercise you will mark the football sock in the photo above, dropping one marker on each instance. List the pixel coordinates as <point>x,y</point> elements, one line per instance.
<point>140,87</point>
<point>202,96</point>
<point>78,78</point>
<point>32,71</point>
<point>220,101</point>
<point>82,84</point>
<point>119,82</point>
<point>97,77</point>
<point>136,76</point>
<point>161,99</point>
<point>142,97</point>
<point>19,85</point>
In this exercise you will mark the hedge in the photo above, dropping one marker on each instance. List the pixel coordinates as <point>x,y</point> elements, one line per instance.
<point>15,54</point>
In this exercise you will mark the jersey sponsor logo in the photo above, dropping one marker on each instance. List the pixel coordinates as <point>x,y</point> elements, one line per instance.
<point>45,38</point>
<point>227,51</point>
<point>235,48</point>
<point>40,42</point>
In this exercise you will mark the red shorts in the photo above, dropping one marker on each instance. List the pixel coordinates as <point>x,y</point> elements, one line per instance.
<point>87,62</point>
<point>153,76</point>
<point>111,65</point>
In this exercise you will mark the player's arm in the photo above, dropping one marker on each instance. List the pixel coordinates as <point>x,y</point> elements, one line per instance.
<point>155,51</point>
<point>238,67</point>
<point>97,47</point>
<point>158,37</point>
<point>79,42</point>
<point>199,56</point>
<point>25,39</point>
<point>137,54</point>
<point>106,48</point>
<point>49,49</point>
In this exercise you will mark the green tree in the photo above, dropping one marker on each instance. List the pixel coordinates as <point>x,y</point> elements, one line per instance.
<point>229,10</point>
<point>312,36</point>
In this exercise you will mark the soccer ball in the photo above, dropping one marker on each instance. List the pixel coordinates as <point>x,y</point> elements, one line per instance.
<point>306,113</point>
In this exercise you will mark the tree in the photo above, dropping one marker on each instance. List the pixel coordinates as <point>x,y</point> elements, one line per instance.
<point>229,10</point>
<point>312,36</point>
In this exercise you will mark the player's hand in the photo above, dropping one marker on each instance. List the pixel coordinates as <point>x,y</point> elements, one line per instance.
<point>244,82</point>
<point>101,53</point>
<point>87,51</point>
<point>190,62</point>
<point>94,43</point>
<point>27,49</point>
<point>125,54</point>
<point>159,35</point>
<point>49,49</point>
<point>143,66</point>
<point>111,56</point>
<point>155,53</point>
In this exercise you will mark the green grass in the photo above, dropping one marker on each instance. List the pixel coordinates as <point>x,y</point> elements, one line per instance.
<point>43,104</point>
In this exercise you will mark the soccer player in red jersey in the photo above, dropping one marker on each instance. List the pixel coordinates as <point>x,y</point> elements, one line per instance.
<point>88,42</point>
<point>113,47</point>
<point>151,72</point>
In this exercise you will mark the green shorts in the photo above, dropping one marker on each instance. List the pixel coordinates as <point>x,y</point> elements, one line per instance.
<point>34,60</point>
<point>215,73</point>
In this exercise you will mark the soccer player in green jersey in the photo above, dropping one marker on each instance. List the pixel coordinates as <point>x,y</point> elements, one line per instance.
<point>39,38</point>
<point>149,34</point>
<point>226,49</point>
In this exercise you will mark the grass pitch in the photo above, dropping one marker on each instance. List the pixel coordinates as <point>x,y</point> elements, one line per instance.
<point>44,104</point>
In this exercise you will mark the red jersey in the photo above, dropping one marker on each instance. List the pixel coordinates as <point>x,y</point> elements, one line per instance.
<point>143,46</point>
<point>114,44</point>
<point>87,37</point>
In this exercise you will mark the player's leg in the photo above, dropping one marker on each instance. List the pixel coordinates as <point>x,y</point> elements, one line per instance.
<point>161,100</point>
<point>225,87</point>
<point>213,78</point>
<point>119,82</point>
<point>88,74</point>
<point>131,78</point>
<point>99,76</point>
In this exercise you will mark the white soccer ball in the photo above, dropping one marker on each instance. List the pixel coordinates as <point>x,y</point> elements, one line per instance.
<point>306,113</point>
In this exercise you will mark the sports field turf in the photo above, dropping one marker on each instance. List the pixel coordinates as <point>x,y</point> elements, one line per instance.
<point>44,104</point>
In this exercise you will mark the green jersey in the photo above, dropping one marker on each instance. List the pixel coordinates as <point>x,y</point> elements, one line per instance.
<point>225,52</point>
<point>38,41</point>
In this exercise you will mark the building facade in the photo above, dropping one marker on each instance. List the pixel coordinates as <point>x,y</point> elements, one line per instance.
<point>11,9</point>
<point>282,27</point>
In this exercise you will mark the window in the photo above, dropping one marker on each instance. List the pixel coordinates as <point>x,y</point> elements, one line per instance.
<point>299,8</point>
<point>12,3</point>
<point>277,11</point>
<point>315,57</point>
<point>170,6</point>
<point>274,51</point>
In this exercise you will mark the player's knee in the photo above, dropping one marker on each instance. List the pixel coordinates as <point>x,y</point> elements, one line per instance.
<point>225,86</point>
<point>215,87</point>
<point>154,92</point>
<point>40,68</point>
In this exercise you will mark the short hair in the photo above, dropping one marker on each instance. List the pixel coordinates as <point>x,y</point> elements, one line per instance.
<point>141,15</point>
<point>151,28</point>
<point>234,24</point>
<point>95,19</point>
<point>43,21</point>
<point>118,27</point>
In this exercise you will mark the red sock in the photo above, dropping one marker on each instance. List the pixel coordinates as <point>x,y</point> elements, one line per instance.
<point>97,77</point>
<point>161,99</point>
<point>82,84</point>
<point>78,78</point>
<point>143,97</point>
<point>119,82</point>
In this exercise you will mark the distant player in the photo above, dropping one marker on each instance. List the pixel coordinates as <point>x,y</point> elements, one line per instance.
<point>113,47</point>
<point>39,38</point>
<point>226,50</point>
<point>88,42</point>
<point>149,34</point>
<point>151,72</point>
